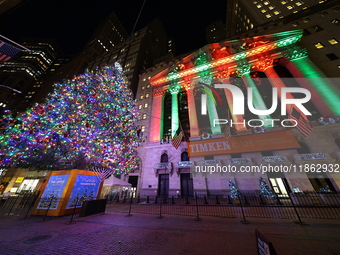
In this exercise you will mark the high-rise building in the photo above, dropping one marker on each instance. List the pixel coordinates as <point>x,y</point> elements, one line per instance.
<point>139,52</point>
<point>25,72</point>
<point>319,22</point>
<point>107,36</point>
<point>245,15</point>
<point>215,32</point>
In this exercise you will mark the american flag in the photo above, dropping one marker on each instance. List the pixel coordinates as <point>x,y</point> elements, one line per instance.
<point>227,133</point>
<point>177,139</point>
<point>7,51</point>
<point>302,124</point>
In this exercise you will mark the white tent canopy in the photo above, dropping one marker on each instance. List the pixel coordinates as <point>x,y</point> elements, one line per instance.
<point>113,181</point>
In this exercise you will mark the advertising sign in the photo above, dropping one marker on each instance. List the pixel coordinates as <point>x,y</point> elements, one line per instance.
<point>276,140</point>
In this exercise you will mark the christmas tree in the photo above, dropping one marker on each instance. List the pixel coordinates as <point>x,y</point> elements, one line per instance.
<point>265,191</point>
<point>234,192</point>
<point>85,122</point>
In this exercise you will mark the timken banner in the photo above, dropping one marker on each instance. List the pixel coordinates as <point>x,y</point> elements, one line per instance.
<point>276,140</point>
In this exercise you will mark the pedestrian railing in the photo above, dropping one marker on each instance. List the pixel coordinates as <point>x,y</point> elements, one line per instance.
<point>250,204</point>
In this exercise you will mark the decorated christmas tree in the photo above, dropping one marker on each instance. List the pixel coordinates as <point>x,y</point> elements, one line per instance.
<point>265,191</point>
<point>234,192</point>
<point>84,123</point>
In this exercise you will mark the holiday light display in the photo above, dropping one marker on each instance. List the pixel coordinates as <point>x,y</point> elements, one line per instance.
<point>85,122</point>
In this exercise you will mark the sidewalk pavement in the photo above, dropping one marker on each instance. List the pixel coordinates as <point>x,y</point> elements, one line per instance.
<point>140,234</point>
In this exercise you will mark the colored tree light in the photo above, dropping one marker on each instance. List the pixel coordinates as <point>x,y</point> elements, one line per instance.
<point>85,122</point>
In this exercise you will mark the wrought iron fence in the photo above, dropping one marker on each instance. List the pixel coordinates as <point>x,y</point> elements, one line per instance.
<point>250,204</point>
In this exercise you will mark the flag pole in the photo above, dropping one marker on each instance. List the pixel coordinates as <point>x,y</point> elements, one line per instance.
<point>14,42</point>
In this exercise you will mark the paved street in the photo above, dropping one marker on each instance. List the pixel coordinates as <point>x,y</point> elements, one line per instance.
<point>114,233</point>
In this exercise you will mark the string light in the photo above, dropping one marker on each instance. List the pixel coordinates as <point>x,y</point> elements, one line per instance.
<point>85,121</point>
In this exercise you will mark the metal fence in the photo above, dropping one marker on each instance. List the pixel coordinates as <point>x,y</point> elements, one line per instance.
<point>251,204</point>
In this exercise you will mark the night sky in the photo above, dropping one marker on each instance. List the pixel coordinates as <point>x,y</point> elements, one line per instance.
<point>72,22</point>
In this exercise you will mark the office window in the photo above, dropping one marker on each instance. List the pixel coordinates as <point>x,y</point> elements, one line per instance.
<point>333,41</point>
<point>298,3</point>
<point>140,107</point>
<point>268,16</point>
<point>142,129</point>
<point>141,97</point>
<point>323,14</point>
<point>289,7</point>
<point>332,56</point>
<point>145,105</point>
<point>147,96</point>
<point>277,12</point>
<point>271,7</point>
<point>335,22</point>
<point>319,45</point>
<point>283,2</point>
<point>144,116</point>
<point>317,28</point>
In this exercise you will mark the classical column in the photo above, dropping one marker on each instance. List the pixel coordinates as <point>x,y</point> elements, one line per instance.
<point>212,113</point>
<point>325,95</point>
<point>156,129</point>
<point>258,103</point>
<point>174,89</point>
<point>194,130</point>
<point>266,65</point>
<point>236,118</point>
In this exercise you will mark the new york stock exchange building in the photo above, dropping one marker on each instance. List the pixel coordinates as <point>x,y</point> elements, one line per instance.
<point>239,110</point>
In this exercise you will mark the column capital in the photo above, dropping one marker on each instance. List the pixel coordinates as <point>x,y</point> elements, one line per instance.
<point>263,63</point>
<point>174,89</point>
<point>243,69</point>
<point>295,53</point>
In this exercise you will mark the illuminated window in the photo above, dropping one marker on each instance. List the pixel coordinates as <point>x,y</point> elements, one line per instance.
<point>299,3</point>
<point>289,7</point>
<point>141,97</point>
<point>339,66</point>
<point>295,11</point>
<point>259,6</point>
<point>335,21</point>
<point>142,129</point>
<point>255,2</point>
<point>263,10</point>
<point>295,24</point>
<point>266,3</point>
<point>319,45</point>
<point>146,105</point>
<point>317,28</point>
<point>144,116</point>
<point>148,86</point>
<point>306,20</point>
<point>304,8</point>
<point>268,16</point>
<point>277,12</point>
<point>140,107</point>
<point>336,9</point>
<point>271,7</point>
<point>251,25</point>
<point>283,2</point>
<point>147,96</point>
<point>143,87</point>
<point>333,41</point>
<point>321,2</point>
<point>323,14</point>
